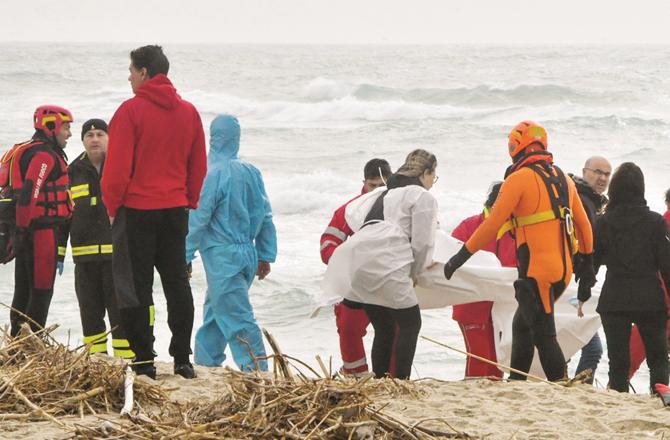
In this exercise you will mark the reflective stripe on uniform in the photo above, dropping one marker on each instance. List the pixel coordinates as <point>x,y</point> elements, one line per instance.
<point>79,191</point>
<point>152,315</point>
<point>120,343</point>
<point>351,365</point>
<point>105,248</point>
<point>96,338</point>
<point>61,251</point>
<point>518,222</point>
<point>94,201</point>
<point>328,243</point>
<point>335,232</point>
<point>97,343</point>
<point>78,251</point>
<point>124,354</point>
<point>98,348</point>
<point>122,349</point>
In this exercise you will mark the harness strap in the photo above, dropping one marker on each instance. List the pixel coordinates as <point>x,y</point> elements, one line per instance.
<point>556,186</point>
<point>532,219</point>
<point>376,213</point>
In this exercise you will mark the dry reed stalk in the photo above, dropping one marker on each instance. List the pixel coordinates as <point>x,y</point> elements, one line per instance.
<point>281,405</point>
<point>42,378</point>
<point>490,362</point>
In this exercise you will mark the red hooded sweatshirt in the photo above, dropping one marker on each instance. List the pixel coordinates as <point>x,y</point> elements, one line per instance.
<point>156,156</point>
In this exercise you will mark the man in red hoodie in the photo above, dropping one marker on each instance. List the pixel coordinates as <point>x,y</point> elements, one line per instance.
<point>156,163</point>
<point>350,318</point>
<point>474,319</point>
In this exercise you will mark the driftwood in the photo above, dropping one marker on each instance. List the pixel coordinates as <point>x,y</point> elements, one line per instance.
<point>42,379</point>
<point>283,405</point>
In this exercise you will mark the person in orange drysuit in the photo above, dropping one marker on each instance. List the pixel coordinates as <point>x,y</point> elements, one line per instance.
<point>474,319</point>
<point>542,208</point>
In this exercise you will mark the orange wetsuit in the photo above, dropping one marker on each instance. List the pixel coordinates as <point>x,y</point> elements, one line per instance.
<point>544,253</point>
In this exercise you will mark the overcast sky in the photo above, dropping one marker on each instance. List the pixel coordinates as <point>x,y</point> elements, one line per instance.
<point>338,21</point>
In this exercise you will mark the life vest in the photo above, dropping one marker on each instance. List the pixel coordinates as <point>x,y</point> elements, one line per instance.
<point>557,189</point>
<point>53,203</point>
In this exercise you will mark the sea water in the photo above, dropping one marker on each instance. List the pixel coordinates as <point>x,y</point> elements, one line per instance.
<point>311,117</point>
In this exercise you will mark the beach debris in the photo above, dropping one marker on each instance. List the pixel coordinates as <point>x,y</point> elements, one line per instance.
<point>281,404</point>
<point>41,378</point>
<point>488,361</point>
<point>583,376</point>
<point>128,401</point>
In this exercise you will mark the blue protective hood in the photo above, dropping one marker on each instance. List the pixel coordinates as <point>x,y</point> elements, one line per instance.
<point>224,143</point>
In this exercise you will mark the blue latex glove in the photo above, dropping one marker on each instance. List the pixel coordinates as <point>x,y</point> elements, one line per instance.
<point>60,266</point>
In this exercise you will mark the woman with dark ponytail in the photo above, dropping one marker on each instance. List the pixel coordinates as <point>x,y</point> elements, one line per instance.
<point>634,243</point>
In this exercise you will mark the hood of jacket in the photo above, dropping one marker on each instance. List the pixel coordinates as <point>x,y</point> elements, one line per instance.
<point>160,91</point>
<point>584,189</point>
<point>224,143</point>
<point>398,180</point>
<point>627,216</point>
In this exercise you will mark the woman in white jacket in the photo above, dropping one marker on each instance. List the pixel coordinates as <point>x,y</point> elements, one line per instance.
<point>394,245</point>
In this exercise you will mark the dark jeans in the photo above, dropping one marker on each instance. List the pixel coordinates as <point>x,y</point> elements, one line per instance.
<point>591,354</point>
<point>385,321</point>
<point>533,328</point>
<point>144,239</point>
<point>34,275</point>
<point>653,330</point>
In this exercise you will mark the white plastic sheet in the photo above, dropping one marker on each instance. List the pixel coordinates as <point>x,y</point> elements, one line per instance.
<point>480,279</point>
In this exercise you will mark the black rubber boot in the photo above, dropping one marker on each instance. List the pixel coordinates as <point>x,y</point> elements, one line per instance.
<point>185,370</point>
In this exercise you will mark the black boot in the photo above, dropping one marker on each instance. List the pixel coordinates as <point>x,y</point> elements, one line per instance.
<point>145,370</point>
<point>185,370</point>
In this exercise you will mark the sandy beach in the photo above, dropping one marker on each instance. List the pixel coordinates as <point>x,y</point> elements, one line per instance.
<point>480,409</point>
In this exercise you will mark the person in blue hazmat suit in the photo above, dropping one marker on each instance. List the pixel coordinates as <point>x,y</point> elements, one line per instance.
<point>234,233</point>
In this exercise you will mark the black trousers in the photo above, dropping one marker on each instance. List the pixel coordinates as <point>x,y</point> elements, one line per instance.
<point>34,275</point>
<point>533,328</point>
<point>653,330</point>
<point>144,240</point>
<point>385,321</point>
<point>94,286</point>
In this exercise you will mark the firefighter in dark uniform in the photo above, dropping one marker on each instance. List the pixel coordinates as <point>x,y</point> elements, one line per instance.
<point>91,241</point>
<point>34,199</point>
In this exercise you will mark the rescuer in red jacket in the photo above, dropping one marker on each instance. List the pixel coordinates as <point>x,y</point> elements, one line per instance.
<point>474,319</point>
<point>350,318</point>
<point>34,180</point>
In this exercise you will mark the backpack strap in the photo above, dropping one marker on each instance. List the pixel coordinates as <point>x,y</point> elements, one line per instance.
<point>376,213</point>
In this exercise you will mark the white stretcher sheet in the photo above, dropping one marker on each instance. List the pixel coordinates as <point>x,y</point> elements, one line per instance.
<point>480,279</point>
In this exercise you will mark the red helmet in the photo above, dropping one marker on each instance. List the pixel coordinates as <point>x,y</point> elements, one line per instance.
<point>524,135</point>
<point>50,118</point>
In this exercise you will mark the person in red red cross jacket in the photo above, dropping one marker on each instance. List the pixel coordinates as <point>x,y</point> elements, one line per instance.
<point>350,318</point>
<point>474,319</point>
